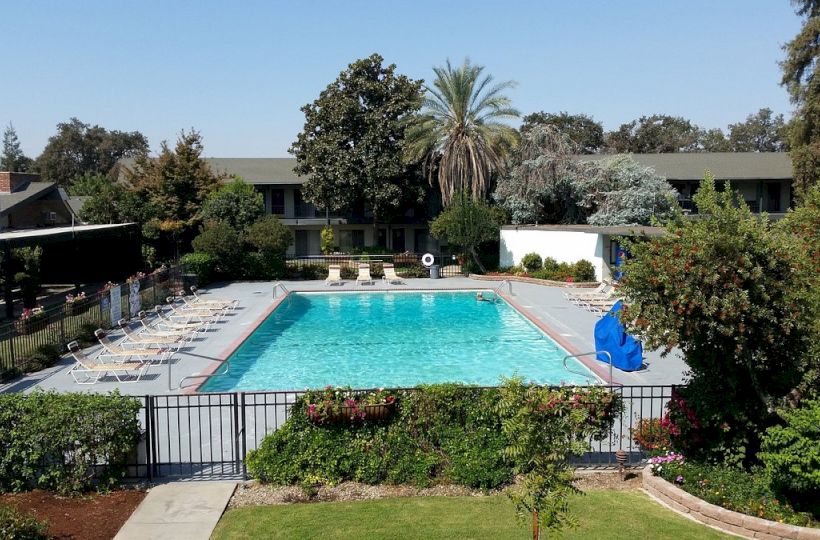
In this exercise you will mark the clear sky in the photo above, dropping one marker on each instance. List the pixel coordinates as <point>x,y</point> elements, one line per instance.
<point>239,72</point>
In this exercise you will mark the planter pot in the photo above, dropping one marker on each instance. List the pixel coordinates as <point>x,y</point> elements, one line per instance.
<point>29,326</point>
<point>372,413</point>
<point>77,307</point>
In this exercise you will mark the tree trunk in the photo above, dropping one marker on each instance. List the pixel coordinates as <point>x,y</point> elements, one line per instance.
<point>536,530</point>
<point>477,260</point>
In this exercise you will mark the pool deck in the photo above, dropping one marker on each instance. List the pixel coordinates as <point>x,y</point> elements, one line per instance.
<point>546,307</point>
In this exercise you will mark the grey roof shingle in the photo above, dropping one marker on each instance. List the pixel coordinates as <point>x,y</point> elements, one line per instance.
<point>723,165</point>
<point>268,171</point>
<point>34,190</point>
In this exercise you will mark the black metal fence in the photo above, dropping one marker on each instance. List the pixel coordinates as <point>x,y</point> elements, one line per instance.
<point>406,265</point>
<point>208,435</point>
<point>23,341</point>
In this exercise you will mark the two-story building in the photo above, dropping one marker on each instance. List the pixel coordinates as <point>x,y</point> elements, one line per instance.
<point>281,187</point>
<point>764,179</point>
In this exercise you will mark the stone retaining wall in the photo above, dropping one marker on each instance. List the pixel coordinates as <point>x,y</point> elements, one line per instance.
<point>710,514</point>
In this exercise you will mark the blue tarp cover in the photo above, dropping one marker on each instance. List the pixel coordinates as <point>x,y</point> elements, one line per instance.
<point>626,351</point>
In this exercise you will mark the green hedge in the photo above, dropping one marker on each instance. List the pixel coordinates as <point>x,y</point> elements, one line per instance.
<point>438,434</point>
<point>54,441</point>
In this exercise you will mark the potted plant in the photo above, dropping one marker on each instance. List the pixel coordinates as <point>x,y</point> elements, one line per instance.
<point>341,405</point>
<point>31,320</point>
<point>76,303</point>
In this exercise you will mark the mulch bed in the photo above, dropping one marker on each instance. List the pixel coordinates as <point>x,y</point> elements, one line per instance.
<point>90,517</point>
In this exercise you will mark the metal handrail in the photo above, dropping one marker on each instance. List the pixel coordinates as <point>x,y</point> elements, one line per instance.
<point>596,353</point>
<point>206,377</point>
<point>278,285</point>
<point>496,291</point>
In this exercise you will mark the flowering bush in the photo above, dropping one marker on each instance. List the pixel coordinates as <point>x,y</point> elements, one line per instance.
<point>107,287</point>
<point>335,404</point>
<point>652,434</point>
<point>136,277</point>
<point>33,313</point>
<point>71,298</point>
<point>732,488</point>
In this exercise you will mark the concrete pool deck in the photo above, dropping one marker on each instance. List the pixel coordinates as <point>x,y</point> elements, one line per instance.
<point>568,324</point>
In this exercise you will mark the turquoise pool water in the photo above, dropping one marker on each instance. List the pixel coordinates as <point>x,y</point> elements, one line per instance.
<point>374,339</point>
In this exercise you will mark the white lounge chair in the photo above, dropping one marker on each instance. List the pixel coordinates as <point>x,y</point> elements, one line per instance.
<point>123,354</point>
<point>334,275</point>
<point>364,275</point>
<point>189,314</point>
<point>165,320</point>
<point>390,275</point>
<point>148,337</point>
<point>161,326</point>
<point>604,288</point>
<point>200,300</point>
<point>88,371</point>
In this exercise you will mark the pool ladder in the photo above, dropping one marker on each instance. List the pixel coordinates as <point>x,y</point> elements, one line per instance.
<point>497,290</point>
<point>285,290</point>
<point>596,353</point>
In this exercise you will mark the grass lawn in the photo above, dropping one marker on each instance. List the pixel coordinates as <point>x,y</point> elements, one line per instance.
<point>602,514</point>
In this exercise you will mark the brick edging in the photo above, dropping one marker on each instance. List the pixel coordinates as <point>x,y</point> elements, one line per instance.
<point>536,281</point>
<point>716,516</point>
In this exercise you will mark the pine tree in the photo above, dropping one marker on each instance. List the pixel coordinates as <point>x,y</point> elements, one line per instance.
<point>13,158</point>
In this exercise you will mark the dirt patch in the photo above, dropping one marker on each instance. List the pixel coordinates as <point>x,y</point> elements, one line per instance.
<point>90,517</point>
<point>255,494</point>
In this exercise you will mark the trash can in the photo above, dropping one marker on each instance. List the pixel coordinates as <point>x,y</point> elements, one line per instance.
<point>434,272</point>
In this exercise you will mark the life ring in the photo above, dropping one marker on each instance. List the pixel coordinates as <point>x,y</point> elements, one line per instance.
<point>427,259</point>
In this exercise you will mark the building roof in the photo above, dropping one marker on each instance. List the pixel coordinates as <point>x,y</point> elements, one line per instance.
<point>46,234</point>
<point>260,171</point>
<point>32,191</point>
<point>612,230</point>
<point>723,165</point>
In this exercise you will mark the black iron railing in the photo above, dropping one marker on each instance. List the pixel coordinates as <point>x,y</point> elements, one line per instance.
<point>407,264</point>
<point>22,342</point>
<point>208,435</point>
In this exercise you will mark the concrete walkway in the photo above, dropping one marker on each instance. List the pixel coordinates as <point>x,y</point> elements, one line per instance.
<point>187,510</point>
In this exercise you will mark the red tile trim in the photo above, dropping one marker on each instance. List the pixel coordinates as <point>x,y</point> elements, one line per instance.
<point>592,365</point>
<point>228,351</point>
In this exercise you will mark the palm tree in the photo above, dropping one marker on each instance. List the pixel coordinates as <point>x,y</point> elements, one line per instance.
<point>459,135</point>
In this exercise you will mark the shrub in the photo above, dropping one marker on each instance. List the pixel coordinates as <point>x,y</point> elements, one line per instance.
<point>791,453</point>
<point>550,265</point>
<point>327,240</point>
<point>531,261</point>
<point>202,265</point>
<point>732,488</point>
<point>583,270</point>
<point>415,270</point>
<point>270,236</point>
<point>306,271</point>
<point>45,356</point>
<point>17,526</point>
<point>54,441</point>
<point>438,433</point>
<point>222,243</point>
<point>652,435</point>
<point>261,265</point>
<point>237,203</point>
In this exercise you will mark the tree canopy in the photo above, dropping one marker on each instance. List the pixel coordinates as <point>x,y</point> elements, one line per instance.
<point>543,180</point>
<point>761,132</point>
<point>13,159</point>
<point>585,134</point>
<point>654,134</point>
<point>236,203</point>
<point>460,134</point>
<point>624,192</point>
<point>80,148</point>
<point>466,223</point>
<point>351,146</point>
<point>731,291</point>
<point>800,79</point>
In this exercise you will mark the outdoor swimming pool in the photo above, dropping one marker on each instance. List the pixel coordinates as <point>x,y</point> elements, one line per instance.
<point>392,339</point>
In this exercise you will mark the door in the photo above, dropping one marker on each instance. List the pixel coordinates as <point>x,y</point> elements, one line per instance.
<point>302,243</point>
<point>773,193</point>
<point>398,240</point>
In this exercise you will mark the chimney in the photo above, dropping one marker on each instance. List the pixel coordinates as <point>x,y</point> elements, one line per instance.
<point>15,181</point>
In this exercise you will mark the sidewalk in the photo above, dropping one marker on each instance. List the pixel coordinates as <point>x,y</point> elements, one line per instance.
<point>187,510</point>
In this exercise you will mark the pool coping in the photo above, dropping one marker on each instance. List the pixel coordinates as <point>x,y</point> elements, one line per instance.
<point>596,369</point>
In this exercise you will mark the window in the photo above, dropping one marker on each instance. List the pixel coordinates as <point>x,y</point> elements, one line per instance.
<point>303,209</point>
<point>277,202</point>
<point>351,239</point>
